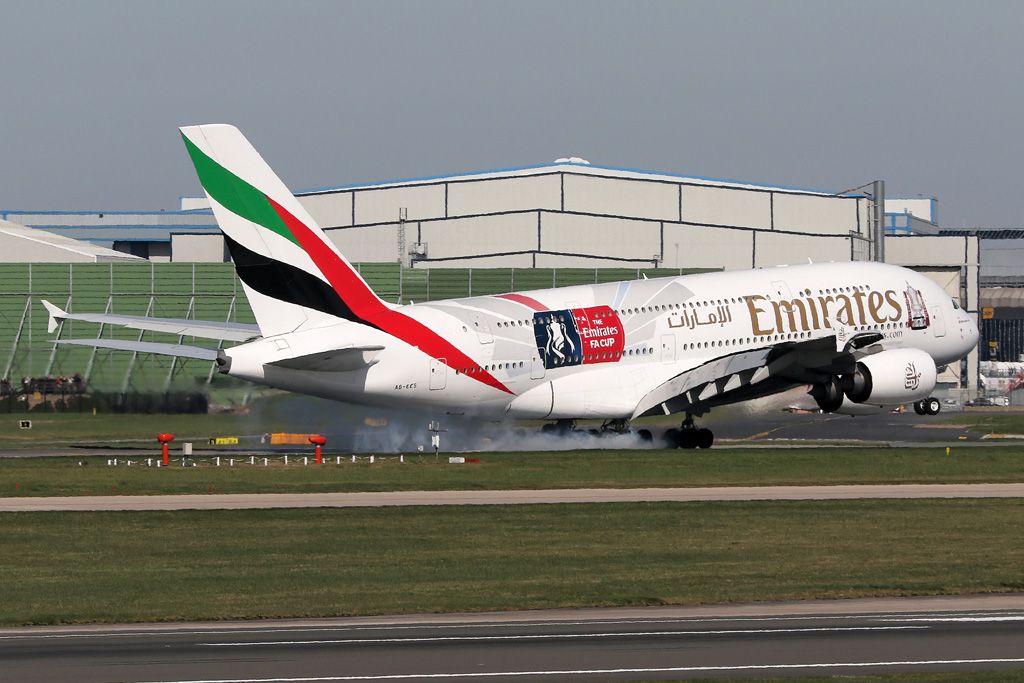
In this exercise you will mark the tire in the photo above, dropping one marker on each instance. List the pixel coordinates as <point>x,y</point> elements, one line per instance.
<point>828,395</point>
<point>688,438</point>
<point>932,406</point>
<point>645,435</point>
<point>704,438</point>
<point>919,408</point>
<point>672,438</point>
<point>548,428</point>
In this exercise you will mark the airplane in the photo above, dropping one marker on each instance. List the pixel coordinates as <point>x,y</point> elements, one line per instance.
<point>864,336</point>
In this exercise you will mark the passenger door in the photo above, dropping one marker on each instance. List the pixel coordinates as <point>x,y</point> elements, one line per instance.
<point>537,369</point>
<point>483,329</point>
<point>438,374</point>
<point>938,324</point>
<point>668,348</point>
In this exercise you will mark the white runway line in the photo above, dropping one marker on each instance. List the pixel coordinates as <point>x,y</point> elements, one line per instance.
<point>560,636</point>
<point>605,672</point>
<point>892,617</point>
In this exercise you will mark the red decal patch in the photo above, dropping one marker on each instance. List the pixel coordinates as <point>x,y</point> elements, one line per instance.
<point>579,336</point>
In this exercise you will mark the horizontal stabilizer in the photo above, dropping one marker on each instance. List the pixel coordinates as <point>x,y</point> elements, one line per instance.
<point>336,360</point>
<point>204,329</point>
<point>179,350</point>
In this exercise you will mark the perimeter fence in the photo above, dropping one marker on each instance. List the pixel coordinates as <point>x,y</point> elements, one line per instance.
<point>31,363</point>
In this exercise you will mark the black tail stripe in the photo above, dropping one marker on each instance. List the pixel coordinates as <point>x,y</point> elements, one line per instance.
<point>287,283</point>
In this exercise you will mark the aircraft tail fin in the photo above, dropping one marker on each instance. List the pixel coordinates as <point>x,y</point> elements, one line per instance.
<point>294,276</point>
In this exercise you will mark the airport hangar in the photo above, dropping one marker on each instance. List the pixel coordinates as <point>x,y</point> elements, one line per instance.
<point>567,216</point>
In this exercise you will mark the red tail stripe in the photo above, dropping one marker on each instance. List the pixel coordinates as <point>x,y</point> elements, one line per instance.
<point>367,306</point>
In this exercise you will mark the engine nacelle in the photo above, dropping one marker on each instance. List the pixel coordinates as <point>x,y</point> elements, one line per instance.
<point>848,407</point>
<point>890,377</point>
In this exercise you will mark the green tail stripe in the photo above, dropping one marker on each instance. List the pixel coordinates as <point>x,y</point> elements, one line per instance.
<point>235,194</point>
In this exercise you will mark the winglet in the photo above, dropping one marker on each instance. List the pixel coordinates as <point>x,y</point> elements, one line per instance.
<point>57,314</point>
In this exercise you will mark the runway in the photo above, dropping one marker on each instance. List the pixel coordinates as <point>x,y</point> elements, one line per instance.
<point>823,638</point>
<point>243,501</point>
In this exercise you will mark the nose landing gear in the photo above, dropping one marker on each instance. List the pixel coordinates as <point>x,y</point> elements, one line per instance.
<point>689,435</point>
<point>927,406</point>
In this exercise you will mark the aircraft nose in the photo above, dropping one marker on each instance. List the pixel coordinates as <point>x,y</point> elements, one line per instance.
<point>970,333</point>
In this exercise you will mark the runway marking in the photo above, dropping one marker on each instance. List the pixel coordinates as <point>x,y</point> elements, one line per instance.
<point>604,672</point>
<point>982,615</point>
<point>563,636</point>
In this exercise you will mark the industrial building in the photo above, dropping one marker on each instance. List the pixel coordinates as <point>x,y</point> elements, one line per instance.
<point>562,223</point>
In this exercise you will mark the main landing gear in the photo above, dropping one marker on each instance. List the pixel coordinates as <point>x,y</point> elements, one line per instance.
<point>689,436</point>
<point>927,406</point>
<point>608,428</point>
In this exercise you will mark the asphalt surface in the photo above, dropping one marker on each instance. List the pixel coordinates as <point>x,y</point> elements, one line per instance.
<point>734,427</point>
<point>883,427</point>
<point>826,638</point>
<point>245,501</point>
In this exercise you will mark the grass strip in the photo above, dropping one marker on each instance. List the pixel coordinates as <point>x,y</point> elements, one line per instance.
<point>1010,676</point>
<point>983,422</point>
<point>129,429</point>
<point>187,565</point>
<point>569,469</point>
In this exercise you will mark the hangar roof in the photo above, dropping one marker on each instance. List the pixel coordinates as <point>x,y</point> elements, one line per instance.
<point>1000,297</point>
<point>582,169</point>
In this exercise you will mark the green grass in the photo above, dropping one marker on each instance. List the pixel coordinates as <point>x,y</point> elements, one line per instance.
<point>1012,676</point>
<point>56,429</point>
<point>985,422</point>
<point>184,565</point>
<point>571,469</point>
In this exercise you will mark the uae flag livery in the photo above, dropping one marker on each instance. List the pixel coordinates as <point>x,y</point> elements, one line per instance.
<point>578,336</point>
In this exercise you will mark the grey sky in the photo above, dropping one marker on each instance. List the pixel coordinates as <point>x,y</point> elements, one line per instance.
<point>926,95</point>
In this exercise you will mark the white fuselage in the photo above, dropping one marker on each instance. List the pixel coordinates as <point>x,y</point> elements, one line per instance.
<point>605,346</point>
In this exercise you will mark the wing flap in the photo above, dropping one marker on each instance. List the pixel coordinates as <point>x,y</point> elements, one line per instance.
<point>179,350</point>
<point>204,329</point>
<point>700,383</point>
<point>730,378</point>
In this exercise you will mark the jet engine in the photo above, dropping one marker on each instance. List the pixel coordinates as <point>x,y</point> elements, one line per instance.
<point>890,377</point>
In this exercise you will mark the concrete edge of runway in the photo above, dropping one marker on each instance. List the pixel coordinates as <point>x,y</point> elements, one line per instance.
<point>797,608</point>
<point>243,501</point>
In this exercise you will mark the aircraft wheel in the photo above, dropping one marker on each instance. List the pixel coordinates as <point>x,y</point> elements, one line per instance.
<point>919,408</point>
<point>549,428</point>
<point>688,438</point>
<point>672,438</point>
<point>645,435</point>
<point>932,405</point>
<point>704,438</point>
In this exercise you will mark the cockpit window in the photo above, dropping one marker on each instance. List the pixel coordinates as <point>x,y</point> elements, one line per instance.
<point>956,305</point>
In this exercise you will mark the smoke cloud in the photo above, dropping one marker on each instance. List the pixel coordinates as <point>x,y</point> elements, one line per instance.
<point>362,429</point>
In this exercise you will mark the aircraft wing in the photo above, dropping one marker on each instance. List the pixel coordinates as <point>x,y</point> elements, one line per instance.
<point>752,374</point>
<point>180,350</point>
<point>191,328</point>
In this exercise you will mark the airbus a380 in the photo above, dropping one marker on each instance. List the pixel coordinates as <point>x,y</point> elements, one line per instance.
<point>863,335</point>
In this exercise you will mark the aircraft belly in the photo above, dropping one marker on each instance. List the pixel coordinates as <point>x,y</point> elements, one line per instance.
<point>607,393</point>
